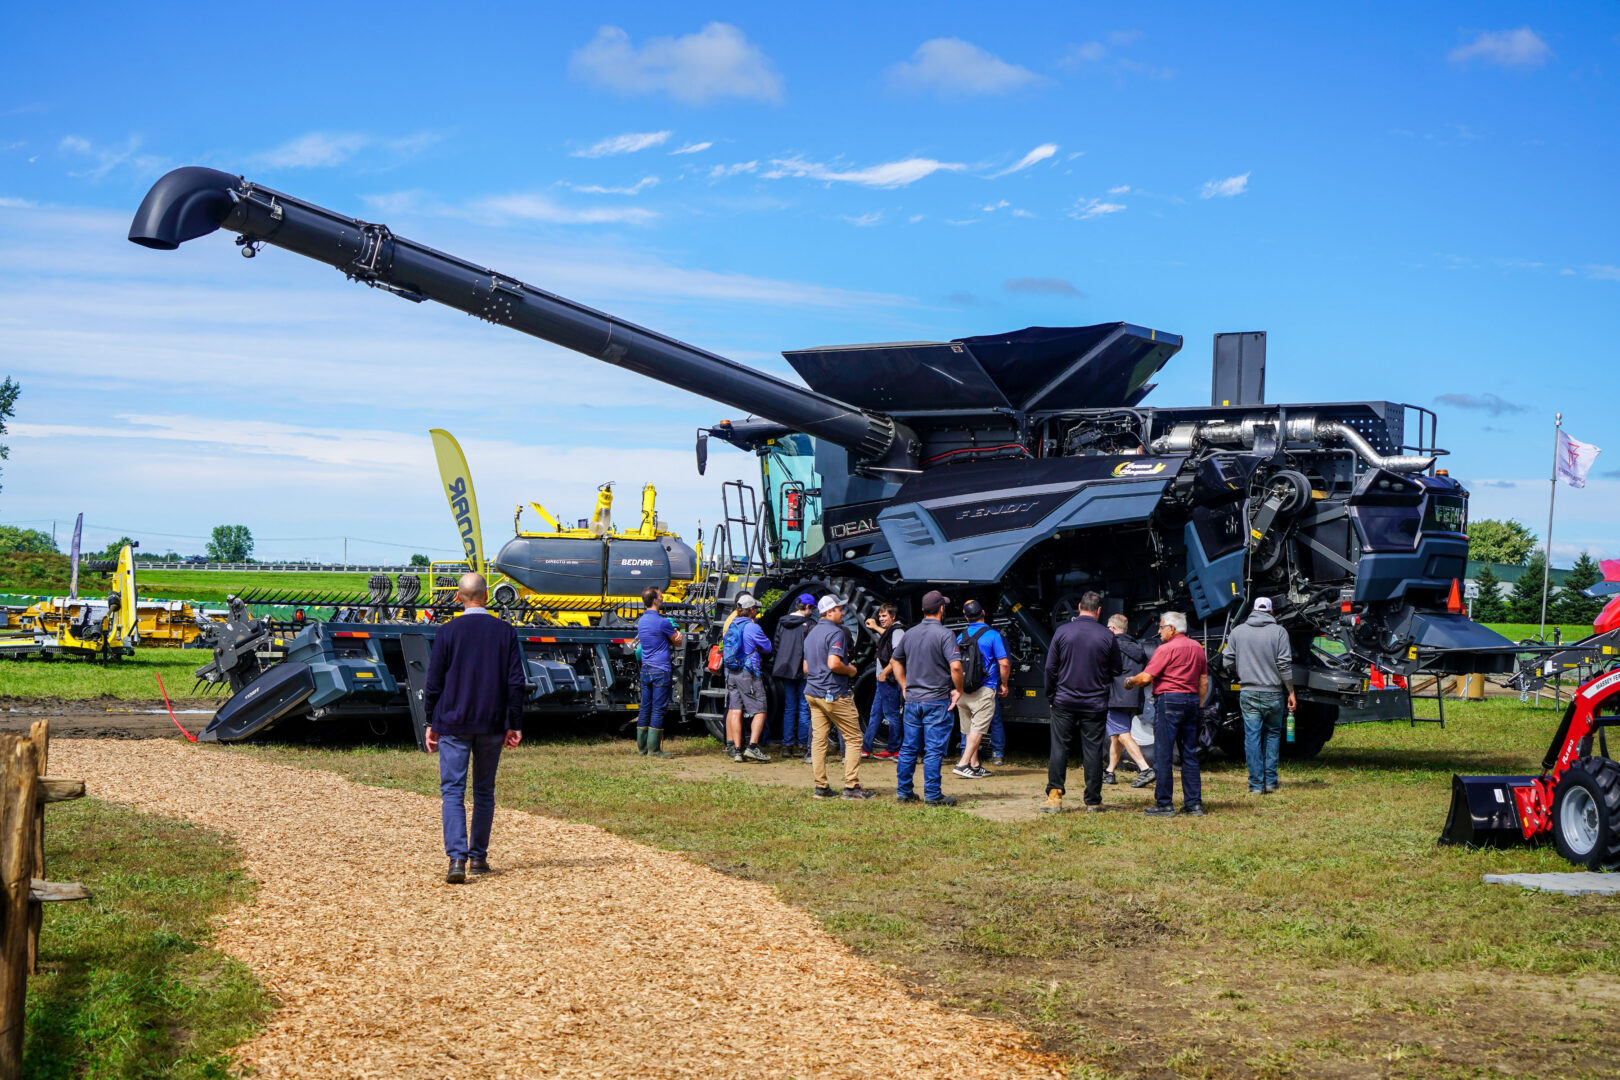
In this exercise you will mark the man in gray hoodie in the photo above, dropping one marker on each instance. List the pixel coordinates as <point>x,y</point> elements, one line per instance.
<point>1260,657</point>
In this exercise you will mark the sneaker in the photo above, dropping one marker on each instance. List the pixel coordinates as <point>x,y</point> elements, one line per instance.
<point>865,753</point>
<point>731,751</point>
<point>807,759</point>
<point>1160,811</point>
<point>1254,791</point>
<point>754,753</point>
<point>890,754</point>
<point>964,771</point>
<point>856,792</point>
<point>1108,778</point>
<point>1193,809</point>
<point>980,772</point>
<point>943,800</point>
<point>1094,808</point>
<point>1144,778</point>
<point>822,793</point>
<point>1269,790</point>
<point>1053,803</point>
<point>907,798</point>
<point>998,761</point>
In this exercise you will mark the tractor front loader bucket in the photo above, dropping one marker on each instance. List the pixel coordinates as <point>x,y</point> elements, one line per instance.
<point>1484,812</point>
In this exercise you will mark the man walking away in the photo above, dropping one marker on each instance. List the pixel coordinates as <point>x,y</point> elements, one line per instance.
<point>886,704</point>
<point>743,647</point>
<point>928,666</point>
<point>1179,673</point>
<point>984,682</point>
<point>787,668</point>
<point>1259,655</point>
<point>476,687</point>
<point>827,674</point>
<point>1080,670</point>
<point>1124,703</point>
<point>655,635</point>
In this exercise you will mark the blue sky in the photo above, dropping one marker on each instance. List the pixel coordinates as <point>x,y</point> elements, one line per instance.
<point>1416,202</point>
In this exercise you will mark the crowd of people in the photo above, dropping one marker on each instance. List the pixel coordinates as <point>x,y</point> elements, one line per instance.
<point>1109,696</point>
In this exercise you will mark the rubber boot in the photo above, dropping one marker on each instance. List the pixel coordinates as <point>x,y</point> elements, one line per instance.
<point>655,743</point>
<point>641,740</point>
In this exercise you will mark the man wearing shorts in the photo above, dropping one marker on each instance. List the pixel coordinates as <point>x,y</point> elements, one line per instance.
<point>745,683</point>
<point>977,708</point>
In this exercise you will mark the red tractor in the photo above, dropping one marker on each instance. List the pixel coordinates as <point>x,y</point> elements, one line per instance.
<point>1576,798</point>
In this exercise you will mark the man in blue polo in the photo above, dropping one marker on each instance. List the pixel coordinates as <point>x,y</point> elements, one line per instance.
<point>655,634</point>
<point>928,666</point>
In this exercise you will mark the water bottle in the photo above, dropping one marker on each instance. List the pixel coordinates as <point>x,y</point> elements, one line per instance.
<point>1290,727</point>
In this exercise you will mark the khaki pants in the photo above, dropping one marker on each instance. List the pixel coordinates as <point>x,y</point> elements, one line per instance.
<point>823,715</point>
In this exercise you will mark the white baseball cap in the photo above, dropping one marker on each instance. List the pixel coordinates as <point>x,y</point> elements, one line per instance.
<point>1262,603</point>
<point>828,602</point>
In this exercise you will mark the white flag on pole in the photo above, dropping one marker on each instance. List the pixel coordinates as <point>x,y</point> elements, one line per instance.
<point>1575,459</point>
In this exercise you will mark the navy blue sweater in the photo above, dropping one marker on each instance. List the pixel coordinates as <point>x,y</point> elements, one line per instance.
<point>475,683</point>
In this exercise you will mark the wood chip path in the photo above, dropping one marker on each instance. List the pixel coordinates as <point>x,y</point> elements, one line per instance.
<point>584,955</point>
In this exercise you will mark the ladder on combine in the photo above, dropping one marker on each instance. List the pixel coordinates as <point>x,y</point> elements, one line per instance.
<point>738,559</point>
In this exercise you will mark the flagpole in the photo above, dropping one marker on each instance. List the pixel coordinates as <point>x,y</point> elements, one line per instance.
<point>1552,496</point>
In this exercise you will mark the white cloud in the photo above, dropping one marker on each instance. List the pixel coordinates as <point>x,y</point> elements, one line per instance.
<point>1098,56</point>
<point>720,172</point>
<point>1225,189</point>
<point>1084,209</point>
<point>714,63</point>
<point>1507,48</point>
<point>952,68</point>
<point>522,206</point>
<point>1123,189</point>
<point>624,144</point>
<point>864,221</point>
<point>320,149</point>
<point>993,207</point>
<point>1602,272</point>
<point>16,204</point>
<point>1034,157</point>
<point>1022,213</point>
<point>893,174</point>
<point>693,148</point>
<point>634,189</point>
<point>1091,52</point>
<point>914,218</point>
<point>104,159</point>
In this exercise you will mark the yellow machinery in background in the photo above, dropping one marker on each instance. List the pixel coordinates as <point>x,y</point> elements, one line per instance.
<point>161,623</point>
<point>81,627</point>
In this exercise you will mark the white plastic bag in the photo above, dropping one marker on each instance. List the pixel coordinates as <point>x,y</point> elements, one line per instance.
<point>1141,731</point>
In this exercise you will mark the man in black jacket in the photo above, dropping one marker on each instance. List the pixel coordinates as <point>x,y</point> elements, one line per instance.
<point>1080,670</point>
<point>787,669</point>
<point>1124,705</point>
<point>476,687</point>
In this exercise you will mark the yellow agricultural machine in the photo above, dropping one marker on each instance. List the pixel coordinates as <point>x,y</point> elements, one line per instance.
<point>82,627</point>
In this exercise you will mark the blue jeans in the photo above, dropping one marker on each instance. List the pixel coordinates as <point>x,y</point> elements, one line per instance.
<point>928,729</point>
<point>654,697</point>
<point>1176,720</point>
<point>1263,714</point>
<point>886,705</point>
<point>456,753</point>
<point>998,733</point>
<point>795,714</point>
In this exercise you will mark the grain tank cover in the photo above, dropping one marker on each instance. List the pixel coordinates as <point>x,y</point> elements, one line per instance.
<point>566,566</point>
<point>1040,367</point>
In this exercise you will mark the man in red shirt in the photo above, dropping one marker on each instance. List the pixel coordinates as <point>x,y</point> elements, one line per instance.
<point>1179,672</point>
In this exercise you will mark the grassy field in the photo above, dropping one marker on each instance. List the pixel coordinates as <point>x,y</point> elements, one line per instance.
<point>131,679</point>
<point>1520,631</point>
<point>48,575</point>
<point>128,986</point>
<point>1317,932</point>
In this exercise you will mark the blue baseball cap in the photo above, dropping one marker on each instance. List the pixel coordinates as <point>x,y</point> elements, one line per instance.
<point>806,600</point>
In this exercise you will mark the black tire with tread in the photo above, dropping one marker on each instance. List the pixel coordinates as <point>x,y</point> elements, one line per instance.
<point>1313,727</point>
<point>1600,776</point>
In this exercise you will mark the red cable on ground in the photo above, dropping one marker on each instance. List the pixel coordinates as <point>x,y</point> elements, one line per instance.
<point>189,736</point>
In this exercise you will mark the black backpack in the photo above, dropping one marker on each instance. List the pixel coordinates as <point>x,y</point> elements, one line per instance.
<point>972,673</point>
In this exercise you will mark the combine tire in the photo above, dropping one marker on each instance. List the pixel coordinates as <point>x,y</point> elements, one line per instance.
<point>1586,814</point>
<point>1313,727</point>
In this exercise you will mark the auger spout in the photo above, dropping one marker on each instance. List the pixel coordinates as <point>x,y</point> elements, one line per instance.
<point>193,201</point>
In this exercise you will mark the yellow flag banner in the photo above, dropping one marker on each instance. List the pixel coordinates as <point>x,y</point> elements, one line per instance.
<point>458,489</point>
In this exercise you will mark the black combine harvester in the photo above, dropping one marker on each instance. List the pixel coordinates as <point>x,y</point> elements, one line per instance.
<point>1019,469</point>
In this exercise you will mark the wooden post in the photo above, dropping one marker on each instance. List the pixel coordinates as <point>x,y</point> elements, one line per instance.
<point>39,733</point>
<point>19,787</point>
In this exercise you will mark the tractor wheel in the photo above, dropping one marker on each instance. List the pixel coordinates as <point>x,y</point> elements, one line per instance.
<point>1313,727</point>
<point>1586,813</point>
